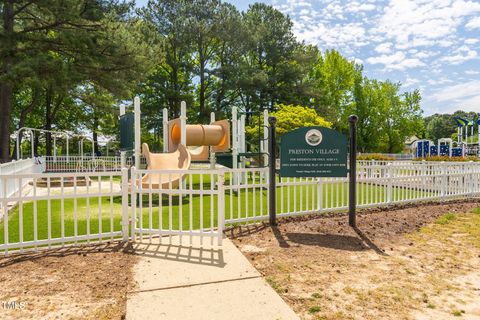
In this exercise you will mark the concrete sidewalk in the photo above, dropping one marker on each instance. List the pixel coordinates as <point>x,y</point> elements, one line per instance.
<point>200,282</point>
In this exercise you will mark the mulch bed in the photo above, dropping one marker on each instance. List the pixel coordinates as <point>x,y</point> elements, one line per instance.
<point>375,226</point>
<point>86,282</point>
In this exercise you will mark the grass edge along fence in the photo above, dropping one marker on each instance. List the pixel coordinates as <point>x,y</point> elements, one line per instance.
<point>68,208</point>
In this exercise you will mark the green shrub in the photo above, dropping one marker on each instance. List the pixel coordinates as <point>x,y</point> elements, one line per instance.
<point>375,156</point>
<point>448,159</point>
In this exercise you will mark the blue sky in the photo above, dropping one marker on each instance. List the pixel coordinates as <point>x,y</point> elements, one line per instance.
<point>432,45</point>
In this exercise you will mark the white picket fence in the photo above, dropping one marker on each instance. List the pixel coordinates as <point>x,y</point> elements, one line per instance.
<point>380,169</point>
<point>378,186</point>
<point>395,156</point>
<point>58,164</point>
<point>65,208</point>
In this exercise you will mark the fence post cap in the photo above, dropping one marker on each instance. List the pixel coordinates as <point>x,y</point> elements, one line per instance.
<point>272,120</point>
<point>353,118</point>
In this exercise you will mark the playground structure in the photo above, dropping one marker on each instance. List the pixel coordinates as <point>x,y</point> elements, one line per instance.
<point>180,159</point>
<point>202,141</point>
<point>31,133</point>
<point>80,161</point>
<point>220,142</point>
<point>469,148</point>
<point>427,148</point>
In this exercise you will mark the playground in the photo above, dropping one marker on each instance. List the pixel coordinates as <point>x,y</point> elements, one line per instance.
<point>284,206</point>
<point>464,146</point>
<point>226,159</point>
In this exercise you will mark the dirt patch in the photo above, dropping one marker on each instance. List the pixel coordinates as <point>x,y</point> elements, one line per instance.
<point>88,282</point>
<point>398,264</point>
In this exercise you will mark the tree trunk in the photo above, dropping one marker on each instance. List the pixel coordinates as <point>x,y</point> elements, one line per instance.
<point>36,142</point>
<point>48,119</point>
<point>6,88</point>
<point>95,133</point>
<point>202,108</point>
<point>6,111</point>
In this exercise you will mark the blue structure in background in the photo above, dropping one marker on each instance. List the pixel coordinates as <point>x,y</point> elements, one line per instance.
<point>426,148</point>
<point>423,148</point>
<point>444,150</point>
<point>457,152</point>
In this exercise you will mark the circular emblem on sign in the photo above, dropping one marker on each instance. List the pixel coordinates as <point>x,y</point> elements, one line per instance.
<point>313,137</point>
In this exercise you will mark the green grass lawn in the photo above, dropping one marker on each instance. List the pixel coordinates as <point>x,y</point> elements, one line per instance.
<point>195,210</point>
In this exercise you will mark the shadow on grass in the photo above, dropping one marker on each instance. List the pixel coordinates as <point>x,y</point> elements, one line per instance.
<point>154,200</point>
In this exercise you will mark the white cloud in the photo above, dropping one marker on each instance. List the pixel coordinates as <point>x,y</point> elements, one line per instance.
<point>387,59</point>
<point>396,61</point>
<point>439,81</point>
<point>473,24</point>
<point>384,47</point>
<point>472,72</point>
<point>471,103</point>
<point>415,23</point>
<point>409,82</point>
<point>406,64</point>
<point>424,54</point>
<point>471,41</point>
<point>356,60</point>
<point>358,7</point>
<point>347,35</point>
<point>460,55</point>
<point>459,93</point>
<point>452,98</point>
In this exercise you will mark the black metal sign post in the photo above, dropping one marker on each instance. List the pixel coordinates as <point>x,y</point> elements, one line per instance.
<point>272,144</point>
<point>353,172</point>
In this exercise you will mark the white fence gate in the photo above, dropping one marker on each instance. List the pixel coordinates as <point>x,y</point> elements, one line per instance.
<point>178,202</point>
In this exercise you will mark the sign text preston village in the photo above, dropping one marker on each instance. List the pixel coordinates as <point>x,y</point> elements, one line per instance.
<point>313,151</point>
